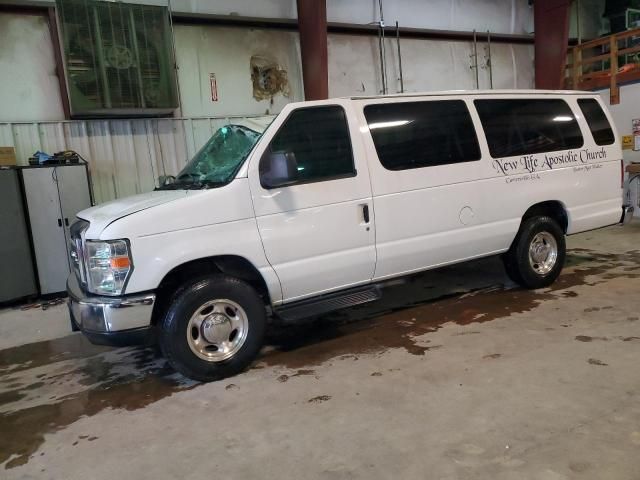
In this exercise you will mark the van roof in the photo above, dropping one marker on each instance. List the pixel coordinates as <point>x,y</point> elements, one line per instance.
<point>475,92</point>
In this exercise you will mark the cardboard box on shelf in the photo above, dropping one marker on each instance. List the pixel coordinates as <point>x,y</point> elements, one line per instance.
<point>8,156</point>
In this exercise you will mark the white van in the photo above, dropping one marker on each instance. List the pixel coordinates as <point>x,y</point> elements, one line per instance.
<point>315,211</point>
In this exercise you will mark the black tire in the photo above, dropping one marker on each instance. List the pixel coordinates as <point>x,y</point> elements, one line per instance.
<point>186,301</point>
<point>517,261</point>
<point>511,268</point>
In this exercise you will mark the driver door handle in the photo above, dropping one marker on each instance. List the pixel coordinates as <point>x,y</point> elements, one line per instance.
<point>365,212</point>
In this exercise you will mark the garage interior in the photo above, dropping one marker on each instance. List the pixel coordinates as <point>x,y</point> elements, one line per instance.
<point>455,373</point>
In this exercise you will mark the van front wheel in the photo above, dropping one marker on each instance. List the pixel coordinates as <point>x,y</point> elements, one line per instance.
<point>537,255</point>
<point>214,328</point>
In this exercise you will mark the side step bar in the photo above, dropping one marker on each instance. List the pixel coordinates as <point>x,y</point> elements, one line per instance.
<point>328,303</point>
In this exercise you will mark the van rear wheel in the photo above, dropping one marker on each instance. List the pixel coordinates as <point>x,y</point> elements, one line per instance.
<point>213,328</point>
<point>537,254</point>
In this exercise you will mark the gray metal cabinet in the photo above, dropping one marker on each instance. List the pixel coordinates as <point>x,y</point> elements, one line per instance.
<point>54,196</point>
<point>17,279</point>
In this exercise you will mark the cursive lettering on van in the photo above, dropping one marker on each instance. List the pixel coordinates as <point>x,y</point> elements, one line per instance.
<point>531,163</point>
<point>505,166</point>
<point>587,155</point>
<point>548,161</point>
<point>562,160</point>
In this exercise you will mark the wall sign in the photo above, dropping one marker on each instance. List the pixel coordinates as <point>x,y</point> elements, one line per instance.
<point>635,124</point>
<point>627,142</point>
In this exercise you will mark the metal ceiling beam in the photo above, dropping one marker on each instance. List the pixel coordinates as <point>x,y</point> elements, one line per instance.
<point>312,25</point>
<point>551,22</point>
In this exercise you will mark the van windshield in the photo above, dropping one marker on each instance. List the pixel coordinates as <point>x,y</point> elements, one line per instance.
<point>218,161</point>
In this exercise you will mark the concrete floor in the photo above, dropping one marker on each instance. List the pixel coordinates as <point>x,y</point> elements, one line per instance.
<point>456,374</point>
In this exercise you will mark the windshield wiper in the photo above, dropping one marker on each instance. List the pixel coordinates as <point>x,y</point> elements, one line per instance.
<point>189,175</point>
<point>213,183</point>
<point>193,186</point>
<point>169,186</point>
<point>203,185</point>
<point>200,185</point>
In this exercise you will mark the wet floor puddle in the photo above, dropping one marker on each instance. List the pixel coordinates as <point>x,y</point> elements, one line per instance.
<point>44,398</point>
<point>46,386</point>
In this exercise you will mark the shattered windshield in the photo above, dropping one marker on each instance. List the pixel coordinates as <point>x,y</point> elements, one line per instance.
<point>218,161</point>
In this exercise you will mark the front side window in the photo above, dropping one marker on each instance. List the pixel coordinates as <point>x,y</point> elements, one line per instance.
<point>316,144</point>
<point>597,121</point>
<point>422,134</point>
<point>527,126</point>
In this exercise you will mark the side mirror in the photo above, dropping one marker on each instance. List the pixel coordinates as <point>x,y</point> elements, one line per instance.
<point>278,169</point>
<point>165,179</point>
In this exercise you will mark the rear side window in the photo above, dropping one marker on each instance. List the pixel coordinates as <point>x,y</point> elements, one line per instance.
<point>597,121</point>
<point>527,126</point>
<point>318,138</point>
<point>422,134</point>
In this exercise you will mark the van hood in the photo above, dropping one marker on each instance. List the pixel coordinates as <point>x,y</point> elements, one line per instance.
<point>101,216</point>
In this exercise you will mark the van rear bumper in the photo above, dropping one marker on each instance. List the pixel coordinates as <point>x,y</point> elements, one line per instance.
<point>627,214</point>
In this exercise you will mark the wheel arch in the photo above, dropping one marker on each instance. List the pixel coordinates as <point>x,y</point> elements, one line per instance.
<point>231,265</point>
<point>550,208</point>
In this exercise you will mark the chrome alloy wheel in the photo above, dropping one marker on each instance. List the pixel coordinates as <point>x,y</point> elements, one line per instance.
<point>217,330</point>
<point>543,253</point>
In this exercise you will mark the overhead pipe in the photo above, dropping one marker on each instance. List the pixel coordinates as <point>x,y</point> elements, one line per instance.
<point>370,29</point>
<point>399,57</point>
<point>474,56</point>
<point>383,57</point>
<point>488,60</point>
<point>380,50</point>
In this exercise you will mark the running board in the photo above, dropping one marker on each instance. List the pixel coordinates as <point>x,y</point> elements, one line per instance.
<point>328,303</point>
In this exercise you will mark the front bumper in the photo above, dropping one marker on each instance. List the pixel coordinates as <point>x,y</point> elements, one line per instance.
<point>117,321</point>
<point>627,214</point>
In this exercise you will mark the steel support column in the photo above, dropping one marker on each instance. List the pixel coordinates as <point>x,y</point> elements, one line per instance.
<point>551,24</point>
<point>312,25</point>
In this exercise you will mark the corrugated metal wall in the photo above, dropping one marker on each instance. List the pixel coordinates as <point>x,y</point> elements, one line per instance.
<point>125,156</point>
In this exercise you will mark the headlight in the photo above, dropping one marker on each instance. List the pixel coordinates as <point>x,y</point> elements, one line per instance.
<point>108,266</point>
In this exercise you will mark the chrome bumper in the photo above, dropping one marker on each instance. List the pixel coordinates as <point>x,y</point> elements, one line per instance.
<point>109,316</point>
<point>627,214</point>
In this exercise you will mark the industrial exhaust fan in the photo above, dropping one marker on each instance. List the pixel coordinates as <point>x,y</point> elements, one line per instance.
<point>119,59</point>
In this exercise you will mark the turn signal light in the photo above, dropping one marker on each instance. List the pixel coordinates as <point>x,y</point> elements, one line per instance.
<point>120,262</point>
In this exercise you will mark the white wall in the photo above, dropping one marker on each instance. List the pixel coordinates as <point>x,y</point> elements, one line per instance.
<point>499,16</point>
<point>243,8</point>
<point>354,65</point>
<point>29,87</point>
<point>623,113</point>
<point>226,51</point>
<point>592,25</point>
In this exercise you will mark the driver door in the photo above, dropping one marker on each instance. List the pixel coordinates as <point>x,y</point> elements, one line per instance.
<point>317,226</point>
